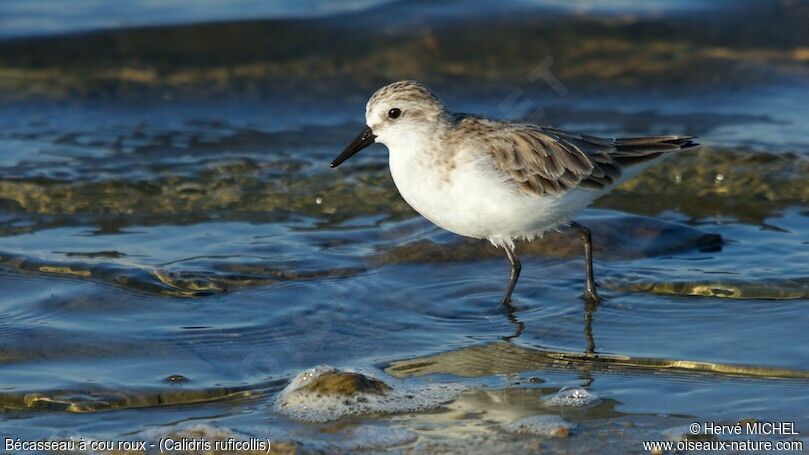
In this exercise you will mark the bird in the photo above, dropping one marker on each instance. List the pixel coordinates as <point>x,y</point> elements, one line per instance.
<point>500,180</point>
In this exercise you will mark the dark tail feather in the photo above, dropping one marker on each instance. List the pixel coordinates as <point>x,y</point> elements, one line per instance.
<point>635,150</point>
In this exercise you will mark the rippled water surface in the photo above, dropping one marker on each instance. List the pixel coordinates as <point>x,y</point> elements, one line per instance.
<point>175,261</point>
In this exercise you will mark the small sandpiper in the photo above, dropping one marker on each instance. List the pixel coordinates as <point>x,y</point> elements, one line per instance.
<point>498,180</point>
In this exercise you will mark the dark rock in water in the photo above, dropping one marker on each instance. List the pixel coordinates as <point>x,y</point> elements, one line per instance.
<point>748,186</point>
<point>505,358</point>
<point>783,289</point>
<point>175,283</point>
<point>616,236</point>
<point>324,394</point>
<point>102,399</point>
<point>346,383</point>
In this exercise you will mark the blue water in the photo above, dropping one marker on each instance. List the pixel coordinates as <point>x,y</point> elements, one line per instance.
<point>205,238</point>
<point>20,18</point>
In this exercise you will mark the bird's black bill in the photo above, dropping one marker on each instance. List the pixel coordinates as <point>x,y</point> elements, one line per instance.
<point>365,139</point>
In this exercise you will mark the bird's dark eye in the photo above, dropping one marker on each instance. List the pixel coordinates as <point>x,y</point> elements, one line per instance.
<point>394,113</point>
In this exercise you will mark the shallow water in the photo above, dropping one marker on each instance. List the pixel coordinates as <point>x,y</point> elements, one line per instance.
<point>176,261</point>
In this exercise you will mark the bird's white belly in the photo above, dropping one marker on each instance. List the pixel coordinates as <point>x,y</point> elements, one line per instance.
<point>475,203</point>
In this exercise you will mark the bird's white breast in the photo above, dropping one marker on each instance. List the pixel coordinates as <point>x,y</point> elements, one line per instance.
<point>470,198</point>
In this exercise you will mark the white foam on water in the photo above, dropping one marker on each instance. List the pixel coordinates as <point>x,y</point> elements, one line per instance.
<point>193,430</point>
<point>541,425</point>
<point>196,431</point>
<point>350,438</point>
<point>572,396</point>
<point>304,405</point>
<point>679,433</point>
<point>267,432</point>
<point>366,437</point>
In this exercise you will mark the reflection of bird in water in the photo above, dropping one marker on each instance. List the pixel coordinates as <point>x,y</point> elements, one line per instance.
<point>589,309</point>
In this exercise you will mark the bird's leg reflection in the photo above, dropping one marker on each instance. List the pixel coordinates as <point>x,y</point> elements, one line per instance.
<point>589,308</point>
<point>519,326</point>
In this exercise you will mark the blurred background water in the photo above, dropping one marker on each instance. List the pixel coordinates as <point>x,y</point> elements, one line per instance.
<point>174,248</point>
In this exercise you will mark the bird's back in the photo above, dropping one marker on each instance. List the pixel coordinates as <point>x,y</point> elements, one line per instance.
<point>545,160</point>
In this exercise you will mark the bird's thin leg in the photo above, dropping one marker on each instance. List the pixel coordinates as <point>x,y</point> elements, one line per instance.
<point>515,274</point>
<point>590,293</point>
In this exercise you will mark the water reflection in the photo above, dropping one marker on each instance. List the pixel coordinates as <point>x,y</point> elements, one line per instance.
<point>590,307</point>
<point>589,310</point>
<point>511,314</point>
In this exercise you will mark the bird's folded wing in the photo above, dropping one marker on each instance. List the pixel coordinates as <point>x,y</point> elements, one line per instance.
<point>545,160</point>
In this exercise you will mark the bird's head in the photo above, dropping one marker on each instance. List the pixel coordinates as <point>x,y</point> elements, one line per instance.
<point>398,113</point>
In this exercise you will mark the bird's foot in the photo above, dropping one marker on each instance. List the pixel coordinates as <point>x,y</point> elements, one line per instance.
<point>512,306</point>
<point>591,297</point>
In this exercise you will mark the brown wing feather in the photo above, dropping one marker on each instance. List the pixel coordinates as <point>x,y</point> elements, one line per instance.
<point>636,150</point>
<point>544,160</point>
